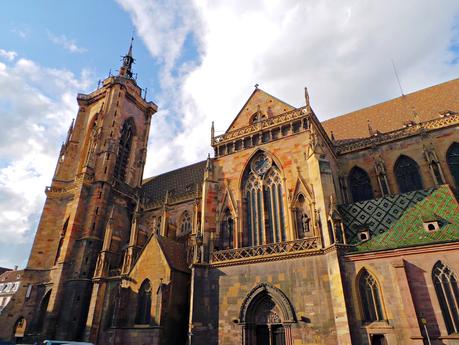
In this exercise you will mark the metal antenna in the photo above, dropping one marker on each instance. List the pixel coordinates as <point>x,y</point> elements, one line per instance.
<point>396,77</point>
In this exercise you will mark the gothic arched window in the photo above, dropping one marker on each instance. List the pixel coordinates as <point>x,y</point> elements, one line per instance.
<point>452,157</point>
<point>370,297</point>
<point>303,221</point>
<point>360,185</point>
<point>264,205</point>
<point>42,312</point>
<point>227,231</point>
<point>185,223</point>
<point>143,315</point>
<point>61,240</point>
<point>274,206</point>
<point>124,149</point>
<point>446,287</point>
<point>407,173</point>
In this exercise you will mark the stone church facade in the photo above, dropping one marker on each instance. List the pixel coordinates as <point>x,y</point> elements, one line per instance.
<point>296,231</point>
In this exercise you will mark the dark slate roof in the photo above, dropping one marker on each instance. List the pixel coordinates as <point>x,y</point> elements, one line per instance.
<point>378,215</point>
<point>4,269</point>
<point>11,276</point>
<point>178,182</point>
<point>408,230</point>
<point>175,253</point>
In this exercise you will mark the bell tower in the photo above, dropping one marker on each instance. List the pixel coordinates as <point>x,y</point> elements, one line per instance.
<point>91,202</point>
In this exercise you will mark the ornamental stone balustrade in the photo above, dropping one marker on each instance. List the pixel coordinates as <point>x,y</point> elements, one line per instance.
<point>304,246</point>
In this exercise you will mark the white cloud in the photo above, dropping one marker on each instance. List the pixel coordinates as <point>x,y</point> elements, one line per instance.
<point>341,50</point>
<point>8,54</point>
<point>36,107</point>
<point>21,32</point>
<point>66,43</point>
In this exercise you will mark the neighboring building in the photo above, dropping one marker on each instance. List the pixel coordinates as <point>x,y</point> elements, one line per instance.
<point>4,269</point>
<point>10,281</point>
<point>295,232</point>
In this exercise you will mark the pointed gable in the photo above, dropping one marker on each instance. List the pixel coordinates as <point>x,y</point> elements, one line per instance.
<point>260,101</point>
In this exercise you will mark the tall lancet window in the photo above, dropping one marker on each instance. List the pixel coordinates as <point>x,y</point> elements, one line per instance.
<point>274,206</point>
<point>360,185</point>
<point>255,224</point>
<point>407,173</point>
<point>264,205</point>
<point>446,286</point>
<point>124,149</point>
<point>370,297</point>
<point>452,157</point>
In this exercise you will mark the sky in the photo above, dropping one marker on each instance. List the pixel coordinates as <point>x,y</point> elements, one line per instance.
<point>199,61</point>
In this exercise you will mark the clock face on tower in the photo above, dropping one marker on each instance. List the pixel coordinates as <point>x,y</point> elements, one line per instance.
<point>261,164</point>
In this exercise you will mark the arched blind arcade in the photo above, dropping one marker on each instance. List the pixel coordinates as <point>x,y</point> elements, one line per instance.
<point>264,205</point>
<point>124,150</point>
<point>407,173</point>
<point>360,185</point>
<point>143,315</point>
<point>227,230</point>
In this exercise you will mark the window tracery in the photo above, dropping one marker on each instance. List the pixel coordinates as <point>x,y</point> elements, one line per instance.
<point>370,297</point>
<point>446,287</point>
<point>185,223</point>
<point>264,202</point>
<point>124,150</point>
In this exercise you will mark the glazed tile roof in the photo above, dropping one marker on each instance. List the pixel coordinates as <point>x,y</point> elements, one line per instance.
<point>178,182</point>
<point>378,215</point>
<point>408,230</point>
<point>175,253</point>
<point>393,114</point>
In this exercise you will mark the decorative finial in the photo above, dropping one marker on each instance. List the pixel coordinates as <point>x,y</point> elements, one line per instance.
<point>208,163</point>
<point>166,197</point>
<point>128,60</point>
<point>256,85</point>
<point>370,129</point>
<point>306,97</point>
<point>212,131</point>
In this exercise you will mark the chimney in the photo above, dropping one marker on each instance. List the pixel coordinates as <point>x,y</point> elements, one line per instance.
<point>16,267</point>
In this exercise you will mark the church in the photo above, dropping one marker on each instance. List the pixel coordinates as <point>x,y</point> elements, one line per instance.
<point>295,231</point>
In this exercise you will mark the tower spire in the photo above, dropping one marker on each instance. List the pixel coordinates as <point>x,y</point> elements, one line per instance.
<point>128,60</point>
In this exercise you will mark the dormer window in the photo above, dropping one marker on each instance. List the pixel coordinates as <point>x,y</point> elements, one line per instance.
<point>364,235</point>
<point>431,225</point>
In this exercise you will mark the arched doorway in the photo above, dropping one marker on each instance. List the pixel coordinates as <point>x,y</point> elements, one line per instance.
<point>266,316</point>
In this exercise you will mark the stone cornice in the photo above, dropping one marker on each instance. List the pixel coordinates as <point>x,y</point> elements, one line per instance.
<point>264,124</point>
<point>408,131</point>
<point>391,253</point>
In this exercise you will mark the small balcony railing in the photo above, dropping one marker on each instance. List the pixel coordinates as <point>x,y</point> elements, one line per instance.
<point>266,250</point>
